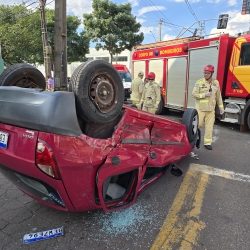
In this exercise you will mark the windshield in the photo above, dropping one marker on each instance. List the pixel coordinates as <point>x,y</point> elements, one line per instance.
<point>126,76</point>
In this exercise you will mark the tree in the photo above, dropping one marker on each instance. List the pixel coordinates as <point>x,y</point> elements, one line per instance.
<point>78,44</point>
<point>112,26</point>
<point>21,39</point>
<point>20,34</point>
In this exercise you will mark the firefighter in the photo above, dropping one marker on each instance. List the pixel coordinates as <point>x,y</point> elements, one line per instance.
<point>137,87</point>
<point>151,95</point>
<point>207,93</point>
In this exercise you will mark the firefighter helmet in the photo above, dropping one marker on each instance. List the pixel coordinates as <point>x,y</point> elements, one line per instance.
<point>140,73</point>
<point>151,75</point>
<point>209,68</point>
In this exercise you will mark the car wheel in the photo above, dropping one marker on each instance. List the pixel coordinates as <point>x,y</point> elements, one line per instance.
<point>99,91</point>
<point>191,120</point>
<point>161,108</point>
<point>23,75</point>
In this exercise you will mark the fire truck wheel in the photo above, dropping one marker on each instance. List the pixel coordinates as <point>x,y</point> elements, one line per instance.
<point>248,120</point>
<point>99,91</point>
<point>190,120</point>
<point>161,109</point>
<point>23,75</point>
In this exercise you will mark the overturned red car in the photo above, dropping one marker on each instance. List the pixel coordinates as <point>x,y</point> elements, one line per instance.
<point>62,160</point>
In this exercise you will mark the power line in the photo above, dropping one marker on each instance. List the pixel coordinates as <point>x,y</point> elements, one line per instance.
<point>34,11</point>
<point>31,4</point>
<point>190,9</point>
<point>17,16</point>
<point>27,1</point>
<point>49,2</point>
<point>151,7</point>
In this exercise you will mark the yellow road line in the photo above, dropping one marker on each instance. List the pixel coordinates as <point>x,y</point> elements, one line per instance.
<point>182,226</point>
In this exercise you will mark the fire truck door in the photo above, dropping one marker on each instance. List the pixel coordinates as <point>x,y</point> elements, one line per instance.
<point>241,68</point>
<point>176,82</point>
<point>156,66</point>
<point>198,59</point>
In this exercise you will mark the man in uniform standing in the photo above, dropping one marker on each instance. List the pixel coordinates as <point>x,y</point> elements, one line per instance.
<point>151,95</point>
<point>207,93</point>
<point>137,87</point>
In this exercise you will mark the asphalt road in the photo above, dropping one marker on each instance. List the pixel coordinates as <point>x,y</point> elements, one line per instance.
<point>206,208</point>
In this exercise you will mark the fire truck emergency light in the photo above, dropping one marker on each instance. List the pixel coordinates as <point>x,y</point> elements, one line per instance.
<point>245,7</point>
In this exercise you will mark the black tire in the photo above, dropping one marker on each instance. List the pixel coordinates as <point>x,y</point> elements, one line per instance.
<point>191,120</point>
<point>248,120</point>
<point>161,108</point>
<point>23,75</point>
<point>75,75</point>
<point>99,91</point>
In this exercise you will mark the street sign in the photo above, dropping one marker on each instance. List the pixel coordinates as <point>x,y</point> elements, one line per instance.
<point>245,7</point>
<point>222,22</point>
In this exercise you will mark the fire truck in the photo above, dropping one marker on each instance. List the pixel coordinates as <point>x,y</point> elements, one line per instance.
<point>179,63</point>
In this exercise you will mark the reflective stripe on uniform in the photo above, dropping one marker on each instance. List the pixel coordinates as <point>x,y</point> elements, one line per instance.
<point>221,106</point>
<point>134,99</point>
<point>207,140</point>
<point>201,95</point>
<point>204,101</point>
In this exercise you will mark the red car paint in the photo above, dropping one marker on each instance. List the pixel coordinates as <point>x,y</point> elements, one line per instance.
<point>140,140</point>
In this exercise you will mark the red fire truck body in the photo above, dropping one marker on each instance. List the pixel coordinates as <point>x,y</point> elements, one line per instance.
<point>178,64</point>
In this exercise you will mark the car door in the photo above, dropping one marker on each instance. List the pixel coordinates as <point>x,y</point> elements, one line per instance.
<point>169,143</point>
<point>119,178</point>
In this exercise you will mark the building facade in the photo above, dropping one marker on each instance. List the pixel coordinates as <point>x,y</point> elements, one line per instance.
<point>124,58</point>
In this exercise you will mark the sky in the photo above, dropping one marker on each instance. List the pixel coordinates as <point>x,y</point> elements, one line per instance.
<point>178,17</point>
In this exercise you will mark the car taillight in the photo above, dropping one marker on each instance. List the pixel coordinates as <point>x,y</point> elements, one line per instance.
<point>45,160</point>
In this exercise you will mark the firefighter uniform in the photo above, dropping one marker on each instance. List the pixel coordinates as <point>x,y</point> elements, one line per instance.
<point>137,87</point>
<point>151,97</point>
<point>205,105</point>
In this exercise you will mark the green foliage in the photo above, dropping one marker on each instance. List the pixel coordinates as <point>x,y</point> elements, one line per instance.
<point>112,27</point>
<point>78,44</point>
<point>21,35</point>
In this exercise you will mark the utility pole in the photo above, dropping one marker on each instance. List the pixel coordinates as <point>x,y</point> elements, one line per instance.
<point>46,47</point>
<point>60,38</point>
<point>202,25</point>
<point>159,30</point>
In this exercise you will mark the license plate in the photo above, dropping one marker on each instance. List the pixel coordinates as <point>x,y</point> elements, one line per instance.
<point>3,139</point>
<point>32,237</point>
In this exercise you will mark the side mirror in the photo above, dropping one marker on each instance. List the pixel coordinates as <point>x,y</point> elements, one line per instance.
<point>175,170</point>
